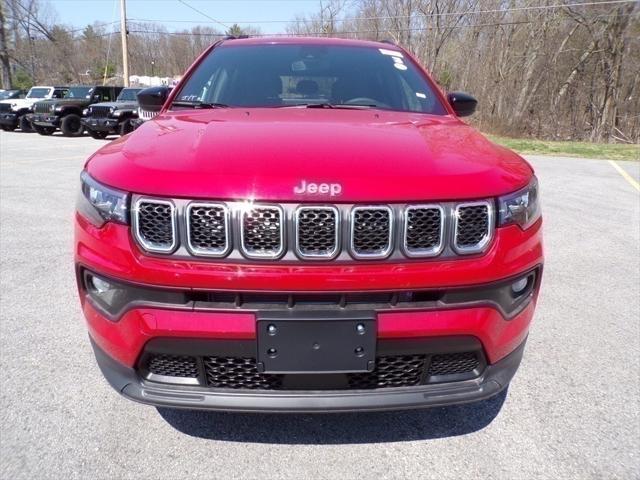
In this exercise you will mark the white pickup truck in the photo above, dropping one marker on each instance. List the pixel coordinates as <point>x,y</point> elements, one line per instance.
<point>13,112</point>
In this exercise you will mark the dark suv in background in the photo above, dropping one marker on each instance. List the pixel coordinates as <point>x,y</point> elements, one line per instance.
<point>102,119</point>
<point>66,113</point>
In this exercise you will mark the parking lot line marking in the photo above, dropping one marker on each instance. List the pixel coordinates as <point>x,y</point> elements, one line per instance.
<point>625,175</point>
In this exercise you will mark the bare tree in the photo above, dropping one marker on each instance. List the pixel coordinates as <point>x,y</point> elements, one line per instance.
<point>5,78</point>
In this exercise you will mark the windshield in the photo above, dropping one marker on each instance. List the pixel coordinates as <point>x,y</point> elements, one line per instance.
<point>38,93</point>
<point>290,75</point>
<point>79,92</point>
<point>6,94</point>
<point>128,94</point>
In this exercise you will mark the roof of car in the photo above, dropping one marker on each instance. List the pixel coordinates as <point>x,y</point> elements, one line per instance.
<point>275,40</point>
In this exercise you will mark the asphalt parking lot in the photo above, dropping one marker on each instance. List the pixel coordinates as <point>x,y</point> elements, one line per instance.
<point>572,411</point>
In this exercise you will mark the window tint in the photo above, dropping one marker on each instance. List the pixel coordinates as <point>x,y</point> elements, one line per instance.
<point>289,75</point>
<point>128,94</point>
<point>38,92</point>
<point>79,92</point>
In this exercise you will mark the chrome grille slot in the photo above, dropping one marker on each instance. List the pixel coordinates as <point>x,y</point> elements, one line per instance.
<point>473,226</point>
<point>262,232</point>
<point>155,225</point>
<point>371,231</point>
<point>317,232</point>
<point>423,230</point>
<point>208,229</point>
<point>146,114</point>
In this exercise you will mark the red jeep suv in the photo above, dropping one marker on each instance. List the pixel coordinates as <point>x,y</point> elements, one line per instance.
<point>307,226</point>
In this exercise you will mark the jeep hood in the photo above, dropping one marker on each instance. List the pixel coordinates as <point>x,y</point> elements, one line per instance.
<point>262,154</point>
<point>23,102</point>
<point>70,101</point>
<point>128,105</point>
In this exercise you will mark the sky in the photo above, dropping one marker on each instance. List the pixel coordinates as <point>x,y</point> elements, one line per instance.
<point>175,15</point>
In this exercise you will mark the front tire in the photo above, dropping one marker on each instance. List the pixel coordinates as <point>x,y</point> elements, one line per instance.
<point>44,130</point>
<point>25,125</point>
<point>71,125</point>
<point>126,127</point>
<point>98,135</point>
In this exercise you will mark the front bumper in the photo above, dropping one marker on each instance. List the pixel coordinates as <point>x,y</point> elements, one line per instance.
<point>126,381</point>
<point>121,342</point>
<point>100,124</point>
<point>9,119</point>
<point>44,120</point>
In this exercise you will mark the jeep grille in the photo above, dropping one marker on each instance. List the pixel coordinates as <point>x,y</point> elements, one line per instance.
<point>295,232</point>
<point>5,107</point>
<point>100,111</point>
<point>42,107</point>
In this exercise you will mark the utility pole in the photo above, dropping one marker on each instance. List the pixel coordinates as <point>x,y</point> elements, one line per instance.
<point>123,36</point>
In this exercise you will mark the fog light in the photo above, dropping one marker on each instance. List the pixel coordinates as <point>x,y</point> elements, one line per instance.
<point>100,285</point>
<point>519,285</point>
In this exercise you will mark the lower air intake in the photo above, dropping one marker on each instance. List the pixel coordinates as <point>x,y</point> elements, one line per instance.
<point>391,371</point>
<point>453,364</point>
<point>173,366</point>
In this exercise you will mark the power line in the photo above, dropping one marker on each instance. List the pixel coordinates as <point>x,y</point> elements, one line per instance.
<point>417,14</point>
<point>352,32</point>
<point>96,24</point>
<point>203,14</point>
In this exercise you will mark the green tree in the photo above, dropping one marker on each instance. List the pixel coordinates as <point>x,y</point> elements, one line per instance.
<point>22,80</point>
<point>235,31</point>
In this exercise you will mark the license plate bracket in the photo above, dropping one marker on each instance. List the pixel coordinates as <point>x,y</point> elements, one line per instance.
<point>290,344</point>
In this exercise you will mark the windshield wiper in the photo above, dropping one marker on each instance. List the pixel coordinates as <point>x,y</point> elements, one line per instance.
<point>198,104</point>
<point>338,105</point>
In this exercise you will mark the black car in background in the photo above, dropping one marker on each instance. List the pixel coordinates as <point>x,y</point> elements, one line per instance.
<point>102,119</point>
<point>67,112</point>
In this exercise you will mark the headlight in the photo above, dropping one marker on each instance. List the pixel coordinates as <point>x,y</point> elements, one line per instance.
<point>521,207</point>
<point>14,106</point>
<point>100,204</point>
<point>86,112</point>
<point>53,107</point>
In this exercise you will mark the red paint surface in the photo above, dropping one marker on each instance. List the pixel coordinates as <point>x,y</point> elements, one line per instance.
<point>124,340</point>
<point>111,251</point>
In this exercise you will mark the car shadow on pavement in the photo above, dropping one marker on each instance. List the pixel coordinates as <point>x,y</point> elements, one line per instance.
<point>336,428</point>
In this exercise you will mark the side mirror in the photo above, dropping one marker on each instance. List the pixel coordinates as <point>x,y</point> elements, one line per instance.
<point>152,99</point>
<point>463,103</point>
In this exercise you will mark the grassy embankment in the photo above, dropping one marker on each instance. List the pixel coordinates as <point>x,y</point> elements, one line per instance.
<point>606,151</point>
